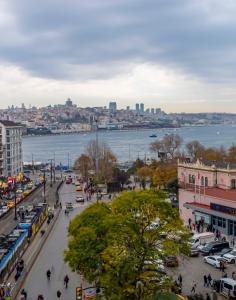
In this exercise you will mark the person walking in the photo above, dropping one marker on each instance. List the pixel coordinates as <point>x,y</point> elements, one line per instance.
<point>40,297</point>
<point>48,274</point>
<point>23,292</point>
<point>180,280</point>
<point>205,281</point>
<point>58,294</point>
<point>208,297</point>
<point>193,290</point>
<point>66,281</point>
<point>209,278</point>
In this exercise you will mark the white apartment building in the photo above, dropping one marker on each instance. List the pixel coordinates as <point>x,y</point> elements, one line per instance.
<point>11,162</point>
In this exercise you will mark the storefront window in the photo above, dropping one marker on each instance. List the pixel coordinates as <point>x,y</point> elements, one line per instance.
<point>219,222</point>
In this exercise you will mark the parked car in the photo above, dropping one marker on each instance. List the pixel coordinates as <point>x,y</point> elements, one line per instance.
<point>230,257</point>
<point>213,260</point>
<point>224,251</point>
<point>79,199</point>
<point>171,261</point>
<point>68,180</point>
<point>194,252</point>
<point>214,247</point>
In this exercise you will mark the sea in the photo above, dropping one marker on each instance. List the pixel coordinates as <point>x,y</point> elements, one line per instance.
<point>126,145</point>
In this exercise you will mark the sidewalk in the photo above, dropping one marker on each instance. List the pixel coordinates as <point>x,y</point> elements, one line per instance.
<point>31,254</point>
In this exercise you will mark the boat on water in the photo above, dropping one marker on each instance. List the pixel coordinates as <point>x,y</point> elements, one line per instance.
<point>153,136</point>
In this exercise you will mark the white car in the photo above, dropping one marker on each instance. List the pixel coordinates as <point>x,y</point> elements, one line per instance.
<point>213,260</point>
<point>230,257</point>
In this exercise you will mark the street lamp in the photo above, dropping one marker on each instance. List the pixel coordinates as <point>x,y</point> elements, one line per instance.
<point>15,215</point>
<point>44,187</point>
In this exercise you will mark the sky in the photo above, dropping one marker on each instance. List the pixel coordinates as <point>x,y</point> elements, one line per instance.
<point>179,55</point>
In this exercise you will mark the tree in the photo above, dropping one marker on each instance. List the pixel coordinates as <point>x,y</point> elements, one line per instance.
<point>83,164</point>
<point>144,173</point>
<point>168,146</point>
<point>195,150</point>
<point>114,246</point>
<point>102,159</point>
<point>164,173</point>
<point>120,176</point>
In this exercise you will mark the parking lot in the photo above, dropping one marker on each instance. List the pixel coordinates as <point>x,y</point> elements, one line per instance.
<point>193,269</point>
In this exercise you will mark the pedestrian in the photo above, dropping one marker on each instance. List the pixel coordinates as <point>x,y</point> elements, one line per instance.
<point>205,281</point>
<point>180,279</point>
<point>48,274</point>
<point>58,294</point>
<point>223,267</point>
<point>193,290</point>
<point>225,275</point>
<point>208,297</point>
<point>40,297</point>
<point>23,292</point>
<point>220,266</point>
<point>66,281</point>
<point>209,278</point>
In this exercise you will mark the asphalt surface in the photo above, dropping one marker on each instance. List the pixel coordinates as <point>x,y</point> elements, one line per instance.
<point>7,222</point>
<point>193,269</point>
<point>51,256</point>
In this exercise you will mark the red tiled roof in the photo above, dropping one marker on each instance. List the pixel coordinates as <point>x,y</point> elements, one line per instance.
<point>216,193</point>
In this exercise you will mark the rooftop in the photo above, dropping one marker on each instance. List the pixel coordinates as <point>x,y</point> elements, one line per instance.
<point>214,192</point>
<point>10,123</point>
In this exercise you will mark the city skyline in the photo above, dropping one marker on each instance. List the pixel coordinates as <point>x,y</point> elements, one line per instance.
<point>177,56</point>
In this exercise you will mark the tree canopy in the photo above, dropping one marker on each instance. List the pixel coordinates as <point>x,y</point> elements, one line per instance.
<point>114,245</point>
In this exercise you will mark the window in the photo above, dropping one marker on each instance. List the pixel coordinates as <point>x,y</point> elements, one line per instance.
<point>202,180</point>
<point>233,184</point>
<point>224,223</point>
<point>8,132</point>
<point>190,179</point>
<point>8,146</point>
<point>8,140</point>
<point>193,179</point>
<point>8,153</point>
<point>206,181</point>
<point>219,222</point>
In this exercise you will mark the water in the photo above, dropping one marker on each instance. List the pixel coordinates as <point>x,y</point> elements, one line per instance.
<point>127,145</point>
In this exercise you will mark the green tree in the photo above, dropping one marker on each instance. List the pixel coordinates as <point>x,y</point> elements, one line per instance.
<point>114,246</point>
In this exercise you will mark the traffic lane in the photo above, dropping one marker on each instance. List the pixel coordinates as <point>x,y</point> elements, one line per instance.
<point>194,268</point>
<point>52,255</point>
<point>7,222</point>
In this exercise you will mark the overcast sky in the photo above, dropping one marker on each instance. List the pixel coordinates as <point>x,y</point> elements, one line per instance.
<point>179,55</point>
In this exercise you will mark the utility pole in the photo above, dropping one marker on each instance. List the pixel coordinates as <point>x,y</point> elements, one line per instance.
<point>68,160</point>
<point>44,187</point>
<point>15,214</point>
<point>32,163</point>
<point>96,147</point>
<point>51,171</point>
<point>54,170</point>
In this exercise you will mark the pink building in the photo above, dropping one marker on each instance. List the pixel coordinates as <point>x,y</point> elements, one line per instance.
<point>208,192</point>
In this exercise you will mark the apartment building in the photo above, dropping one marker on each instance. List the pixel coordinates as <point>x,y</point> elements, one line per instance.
<point>208,193</point>
<point>11,162</point>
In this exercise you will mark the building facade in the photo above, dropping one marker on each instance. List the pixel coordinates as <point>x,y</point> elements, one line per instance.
<point>208,193</point>
<point>113,107</point>
<point>11,144</point>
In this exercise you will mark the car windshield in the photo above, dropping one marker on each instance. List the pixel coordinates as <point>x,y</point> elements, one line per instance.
<point>233,252</point>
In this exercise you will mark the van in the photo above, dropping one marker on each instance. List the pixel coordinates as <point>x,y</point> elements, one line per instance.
<point>201,239</point>
<point>214,247</point>
<point>227,287</point>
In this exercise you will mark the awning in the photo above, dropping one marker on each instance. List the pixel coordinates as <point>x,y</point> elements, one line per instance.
<point>206,209</point>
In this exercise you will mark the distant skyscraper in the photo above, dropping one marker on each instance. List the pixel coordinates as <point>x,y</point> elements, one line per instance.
<point>152,111</point>
<point>69,103</point>
<point>112,107</point>
<point>137,107</point>
<point>142,108</point>
<point>127,107</point>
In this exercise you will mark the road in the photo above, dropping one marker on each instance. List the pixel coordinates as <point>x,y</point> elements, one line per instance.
<point>7,222</point>
<point>52,255</point>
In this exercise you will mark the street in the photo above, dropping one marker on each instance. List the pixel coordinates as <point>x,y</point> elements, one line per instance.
<point>51,256</point>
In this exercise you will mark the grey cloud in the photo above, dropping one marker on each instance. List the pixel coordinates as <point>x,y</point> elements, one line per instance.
<point>64,38</point>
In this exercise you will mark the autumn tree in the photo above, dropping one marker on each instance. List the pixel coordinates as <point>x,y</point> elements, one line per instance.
<point>83,165</point>
<point>144,174</point>
<point>167,147</point>
<point>195,150</point>
<point>113,245</point>
<point>163,174</point>
<point>102,160</point>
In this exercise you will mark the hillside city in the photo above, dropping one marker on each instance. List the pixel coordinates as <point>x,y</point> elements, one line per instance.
<point>69,118</point>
